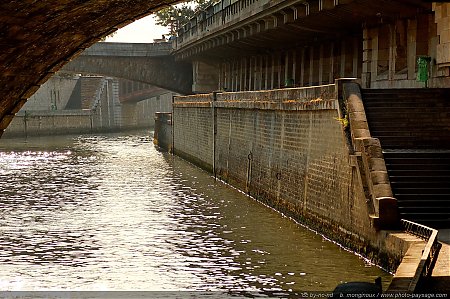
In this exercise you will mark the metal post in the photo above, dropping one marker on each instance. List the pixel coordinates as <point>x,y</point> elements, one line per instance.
<point>214,132</point>
<point>173,125</point>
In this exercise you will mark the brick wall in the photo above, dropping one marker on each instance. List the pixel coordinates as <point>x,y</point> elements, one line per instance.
<point>192,130</point>
<point>287,150</point>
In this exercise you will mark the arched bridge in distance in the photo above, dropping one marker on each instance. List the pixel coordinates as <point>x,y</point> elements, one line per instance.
<point>38,38</point>
<point>149,63</point>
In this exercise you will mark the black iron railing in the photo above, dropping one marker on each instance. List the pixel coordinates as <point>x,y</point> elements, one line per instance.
<point>431,250</point>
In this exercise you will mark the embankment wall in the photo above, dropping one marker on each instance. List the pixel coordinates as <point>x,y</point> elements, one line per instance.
<point>288,149</point>
<point>39,123</point>
<point>163,131</point>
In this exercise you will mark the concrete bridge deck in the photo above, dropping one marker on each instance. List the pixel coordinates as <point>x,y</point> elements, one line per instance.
<point>227,27</point>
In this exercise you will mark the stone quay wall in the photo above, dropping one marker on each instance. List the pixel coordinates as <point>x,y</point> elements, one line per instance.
<point>40,123</point>
<point>163,131</point>
<point>289,149</point>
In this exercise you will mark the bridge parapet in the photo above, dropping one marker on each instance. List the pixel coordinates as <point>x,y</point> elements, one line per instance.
<point>129,49</point>
<point>225,12</point>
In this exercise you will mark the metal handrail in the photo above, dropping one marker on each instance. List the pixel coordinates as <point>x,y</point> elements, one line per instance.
<point>431,250</point>
<point>98,94</point>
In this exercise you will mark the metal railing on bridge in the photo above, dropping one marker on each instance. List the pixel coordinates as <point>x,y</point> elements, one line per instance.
<point>216,16</point>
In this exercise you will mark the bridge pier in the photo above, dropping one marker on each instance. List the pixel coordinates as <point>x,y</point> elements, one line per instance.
<point>204,76</point>
<point>310,65</point>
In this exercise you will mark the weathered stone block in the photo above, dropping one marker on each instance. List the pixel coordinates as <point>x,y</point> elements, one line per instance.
<point>359,125</point>
<point>358,116</point>
<point>382,190</point>
<point>377,164</point>
<point>361,133</point>
<point>379,177</point>
<point>372,148</point>
<point>355,105</point>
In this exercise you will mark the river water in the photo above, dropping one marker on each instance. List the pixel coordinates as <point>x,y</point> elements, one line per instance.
<point>110,212</point>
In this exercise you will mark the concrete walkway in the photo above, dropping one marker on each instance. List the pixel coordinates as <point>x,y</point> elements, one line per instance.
<point>405,273</point>
<point>440,279</point>
<point>444,236</point>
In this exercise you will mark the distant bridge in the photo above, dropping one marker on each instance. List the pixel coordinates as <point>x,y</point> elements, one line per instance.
<point>148,63</point>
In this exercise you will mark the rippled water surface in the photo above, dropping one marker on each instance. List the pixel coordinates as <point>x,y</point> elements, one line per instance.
<point>109,212</point>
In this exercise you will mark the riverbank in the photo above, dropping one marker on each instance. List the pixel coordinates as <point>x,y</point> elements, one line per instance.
<point>62,122</point>
<point>293,149</point>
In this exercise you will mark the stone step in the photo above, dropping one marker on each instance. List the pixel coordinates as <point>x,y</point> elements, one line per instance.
<point>404,100</point>
<point>412,109</point>
<point>428,204</point>
<point>397,165</point>
<point>399,142</point>
<point>424,191</point>
<point>397,104</point>
<point>414,119</point>
<point>389,124</point>
<point>435,223</point>
<point>410,118</point>
<point>415,113</point>
<point>396,185</point>
<point>425,215</point>
<point>406,132</point>
<point>418,197</point>
<point>407,92</point>
<point>416,178</point>
<point>420,156</point>
<point>420,173</point>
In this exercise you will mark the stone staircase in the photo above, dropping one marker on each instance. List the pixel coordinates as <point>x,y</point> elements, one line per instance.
<point>413,126</point>
<point>89,89</point>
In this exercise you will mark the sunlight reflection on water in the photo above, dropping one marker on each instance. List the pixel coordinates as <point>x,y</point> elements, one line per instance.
<point>109,212</point>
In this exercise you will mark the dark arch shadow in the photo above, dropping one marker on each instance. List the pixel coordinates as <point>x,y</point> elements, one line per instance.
<point>38,38</point>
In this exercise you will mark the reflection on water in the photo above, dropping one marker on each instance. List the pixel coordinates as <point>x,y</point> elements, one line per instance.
<point>109,212</point>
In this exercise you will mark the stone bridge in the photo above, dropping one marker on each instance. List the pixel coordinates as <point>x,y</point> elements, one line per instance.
<point>39,37</point>
<point>148,63</point>
<point>141,95</point>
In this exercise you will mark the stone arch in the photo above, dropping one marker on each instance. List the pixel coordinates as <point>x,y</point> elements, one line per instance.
<point>39,37</point>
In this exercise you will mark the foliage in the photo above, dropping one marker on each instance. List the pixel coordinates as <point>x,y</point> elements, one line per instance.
<point>177,15</point>
<point>110,35</point>
<point>344,121</point>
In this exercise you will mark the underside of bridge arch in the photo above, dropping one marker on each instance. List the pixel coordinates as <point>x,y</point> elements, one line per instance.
<point>163,72</point>
<point>38,37</point>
